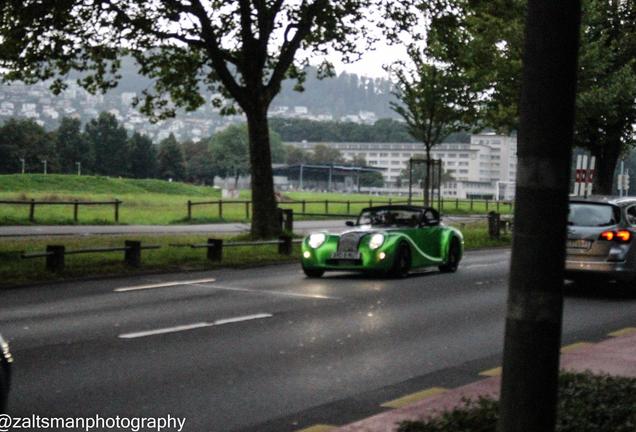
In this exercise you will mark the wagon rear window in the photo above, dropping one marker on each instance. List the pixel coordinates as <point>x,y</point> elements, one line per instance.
<point>593,215</point>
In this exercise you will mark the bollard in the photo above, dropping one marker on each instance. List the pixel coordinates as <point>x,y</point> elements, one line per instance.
<point>215,249</point>
<point>285,246</point>
<point>132,254</point>
<point>494,225</point>
<point>55,261</point>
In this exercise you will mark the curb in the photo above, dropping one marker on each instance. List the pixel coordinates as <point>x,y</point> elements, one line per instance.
<point>614,356</point>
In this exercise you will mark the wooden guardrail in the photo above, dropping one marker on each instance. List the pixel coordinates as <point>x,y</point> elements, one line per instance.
<point>55,254</point>
<point>75,203</point>
<point>327,205</point>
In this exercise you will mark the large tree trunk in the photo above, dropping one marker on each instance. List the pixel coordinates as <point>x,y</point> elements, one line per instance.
<point>264,214</point>
<point>607,156</point>
<point>535,302</point>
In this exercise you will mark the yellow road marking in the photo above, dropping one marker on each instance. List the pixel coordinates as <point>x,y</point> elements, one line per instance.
<point>491,372</point>
<point>318,428</point>
<point>414,397</point>
<point>574,346</point>
<point>623,332</point>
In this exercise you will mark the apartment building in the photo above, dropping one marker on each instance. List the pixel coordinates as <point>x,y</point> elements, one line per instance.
<point>484,168</point>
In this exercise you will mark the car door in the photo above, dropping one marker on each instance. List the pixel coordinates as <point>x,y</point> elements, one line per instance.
<point>429,238</point>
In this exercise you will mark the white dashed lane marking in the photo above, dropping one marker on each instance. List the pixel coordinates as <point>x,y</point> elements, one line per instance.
<point>193,326</point>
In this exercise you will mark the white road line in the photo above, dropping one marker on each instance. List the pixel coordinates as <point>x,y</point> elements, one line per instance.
<point>165,330</point>
<point>163,285</point>
<point>259,291</point>
<point>194,326</point>
<point>242,318</point>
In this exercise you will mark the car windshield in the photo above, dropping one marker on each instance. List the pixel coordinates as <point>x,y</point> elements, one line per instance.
<point>593,215</point>
<point>390,217</point>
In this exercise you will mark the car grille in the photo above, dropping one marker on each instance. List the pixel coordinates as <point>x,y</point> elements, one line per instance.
<point>349,241</point>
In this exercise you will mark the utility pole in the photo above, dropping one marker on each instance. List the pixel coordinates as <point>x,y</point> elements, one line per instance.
<point>79,168</point>
<point>535,298</point>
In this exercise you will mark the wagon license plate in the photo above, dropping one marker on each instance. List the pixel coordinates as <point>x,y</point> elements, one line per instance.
<point>579,244</point>
<point>346,255</point>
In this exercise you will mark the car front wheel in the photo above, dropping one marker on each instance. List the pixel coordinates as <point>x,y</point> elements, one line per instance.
<point>453,258</point>
<point>313,273</point>
<point>402,263</point>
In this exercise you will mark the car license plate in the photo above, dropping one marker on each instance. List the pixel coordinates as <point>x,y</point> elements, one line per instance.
<point>346,255</point>
<point>579,244</point>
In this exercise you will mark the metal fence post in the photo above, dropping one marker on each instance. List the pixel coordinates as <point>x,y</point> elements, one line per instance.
<point>55,261</point>
<point>285,245</point>
<point>132,254</point>
<point>456,203</point>
<point>471,204</point>
<point>189,210</point>
<point>348,206</point>
<point>215,249</point>
<point>75,206</point>
<point>220,209</point>
<point>304,206</point>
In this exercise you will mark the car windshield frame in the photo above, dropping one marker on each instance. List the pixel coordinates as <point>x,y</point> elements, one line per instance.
<point>388,217</point>
<point>590,219</point>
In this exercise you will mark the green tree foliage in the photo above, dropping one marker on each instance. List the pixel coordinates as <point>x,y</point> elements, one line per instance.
<point>323,154</point>
<point>239,50</point>
<point>25,139</point>
<point>199,162</point>
<point>383,130</point>
<point>433,99</point>
<point>295,155</point>
<point>72,147</point>
<point>486,37</point>
<point>109,143</point>
<point>171,160</point>
<point>230,151</point>
<point>143,156</point>
<point>371,179</point>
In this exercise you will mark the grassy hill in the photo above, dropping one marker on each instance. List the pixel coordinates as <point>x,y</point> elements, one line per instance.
<point>144,201</point>
<point>72,184</point>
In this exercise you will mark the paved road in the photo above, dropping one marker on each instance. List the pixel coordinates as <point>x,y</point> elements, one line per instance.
<point>55,230</point>
<point>265,349</point>
<point>229,228</point>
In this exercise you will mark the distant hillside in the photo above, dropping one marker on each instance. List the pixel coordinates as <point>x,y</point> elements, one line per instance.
<point>342,95</point>
<point>59,183</point>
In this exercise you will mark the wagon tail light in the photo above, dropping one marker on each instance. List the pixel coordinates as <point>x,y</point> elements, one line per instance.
<point>620,236</point>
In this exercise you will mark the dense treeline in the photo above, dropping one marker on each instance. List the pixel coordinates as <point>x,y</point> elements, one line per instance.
<point>104,147</point>
<point>383,130</point>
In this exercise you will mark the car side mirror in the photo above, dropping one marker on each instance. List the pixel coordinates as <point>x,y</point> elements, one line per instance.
<point>350,223</point>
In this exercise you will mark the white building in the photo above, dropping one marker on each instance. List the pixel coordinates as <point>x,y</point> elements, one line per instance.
<point>484,168</point>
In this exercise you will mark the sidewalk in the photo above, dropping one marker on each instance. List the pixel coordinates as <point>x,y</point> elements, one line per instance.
<point>615,356</point>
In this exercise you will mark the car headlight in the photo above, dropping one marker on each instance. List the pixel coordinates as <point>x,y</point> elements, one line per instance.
<point>376,241</point>
<point>316,240</point>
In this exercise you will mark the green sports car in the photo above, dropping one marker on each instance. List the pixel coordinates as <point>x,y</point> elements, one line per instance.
<point>390,240</point>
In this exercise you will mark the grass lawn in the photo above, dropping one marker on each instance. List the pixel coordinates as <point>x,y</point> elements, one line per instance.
<point>161,202</point>
<point>17,271</point>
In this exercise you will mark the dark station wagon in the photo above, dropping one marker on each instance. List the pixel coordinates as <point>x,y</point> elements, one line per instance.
<point>600,241</point>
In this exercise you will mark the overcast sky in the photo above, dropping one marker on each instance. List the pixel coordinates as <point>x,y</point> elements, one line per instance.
<point>371,63</point>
